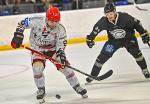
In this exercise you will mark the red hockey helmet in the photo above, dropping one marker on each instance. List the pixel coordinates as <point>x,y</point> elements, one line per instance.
<point>53,14</point>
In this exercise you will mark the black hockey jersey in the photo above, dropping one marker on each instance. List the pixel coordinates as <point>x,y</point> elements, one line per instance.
<point>123,28</point>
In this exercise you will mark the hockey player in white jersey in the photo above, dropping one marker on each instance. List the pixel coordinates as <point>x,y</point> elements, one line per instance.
<point>49,37</point>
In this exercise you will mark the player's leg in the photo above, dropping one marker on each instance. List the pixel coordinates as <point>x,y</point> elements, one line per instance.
<point>72,79</point>
<point>38,65</point>
<point>107,51</point>
<point>133,48</point>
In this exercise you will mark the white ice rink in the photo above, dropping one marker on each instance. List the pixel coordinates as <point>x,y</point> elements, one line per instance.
<point>126,86</point>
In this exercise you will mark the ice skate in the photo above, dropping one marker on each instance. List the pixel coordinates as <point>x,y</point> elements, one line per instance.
<point>81,91</point>
<point>40,95</point>
<point>146,73</point>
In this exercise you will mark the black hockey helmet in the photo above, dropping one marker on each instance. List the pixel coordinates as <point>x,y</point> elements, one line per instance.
<point>109,7</point>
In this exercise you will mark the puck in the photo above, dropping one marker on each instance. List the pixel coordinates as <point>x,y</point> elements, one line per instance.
<point>58,96</point>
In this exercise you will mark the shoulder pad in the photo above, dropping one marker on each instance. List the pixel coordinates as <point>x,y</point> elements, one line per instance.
<point>27,20</point>
<point>61,27</point>
<point>36,18</point>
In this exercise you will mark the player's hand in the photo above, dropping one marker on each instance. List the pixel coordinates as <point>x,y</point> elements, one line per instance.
<point>145,38</point>
<point>60,53</point>
<point>17,40</point>
<point>90,43</point>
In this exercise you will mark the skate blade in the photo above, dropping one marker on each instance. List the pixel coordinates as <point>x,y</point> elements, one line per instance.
<point>85,96</point>
<point>41,101</point>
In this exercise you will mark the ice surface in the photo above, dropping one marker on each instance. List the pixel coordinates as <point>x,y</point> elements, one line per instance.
<point>127,85</point>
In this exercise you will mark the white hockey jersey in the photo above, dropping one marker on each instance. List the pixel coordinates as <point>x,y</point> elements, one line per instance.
<point>42,37</point>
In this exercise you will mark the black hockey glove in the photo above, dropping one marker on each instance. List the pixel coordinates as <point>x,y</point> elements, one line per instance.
<point>145,38</point>
<point>17,40</point>
<point>89,41</point>
<point>60,53</point>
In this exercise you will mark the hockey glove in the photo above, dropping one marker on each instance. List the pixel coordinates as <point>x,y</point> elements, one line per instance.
<point>145,38</point>
<point>89,41</point>
<point>60,53</point>
<point>17,40</point>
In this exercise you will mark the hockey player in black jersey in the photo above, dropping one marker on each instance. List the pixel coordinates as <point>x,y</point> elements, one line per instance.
<point>120,28</point>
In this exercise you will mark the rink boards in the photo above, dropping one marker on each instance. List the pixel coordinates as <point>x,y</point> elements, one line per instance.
<point>78,23</point>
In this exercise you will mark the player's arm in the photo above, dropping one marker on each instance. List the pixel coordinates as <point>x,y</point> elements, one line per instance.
<point>18,36</point>
<point>22,25</point>
<point>98,27</point>
<point>61,43</point>
<point>139,28</point>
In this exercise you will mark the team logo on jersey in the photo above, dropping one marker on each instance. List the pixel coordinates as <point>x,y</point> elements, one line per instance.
<point>118,33</point>
<point>44,30</point>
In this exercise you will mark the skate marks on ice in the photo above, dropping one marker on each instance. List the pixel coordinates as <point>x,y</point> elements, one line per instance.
<point>77,100</point>
<point>101,93</point>
<point>15,69</point>
<point>96,98</point>
<point>122,79</point>
<point>102,101</point>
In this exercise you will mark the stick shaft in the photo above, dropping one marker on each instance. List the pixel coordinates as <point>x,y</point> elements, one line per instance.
<point>56,62</point>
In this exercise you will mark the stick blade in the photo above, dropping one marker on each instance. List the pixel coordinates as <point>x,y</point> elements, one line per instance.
<point>142,9</point>
<point>104,76</point>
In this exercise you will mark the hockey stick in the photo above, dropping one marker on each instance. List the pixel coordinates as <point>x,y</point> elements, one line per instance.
<point>104,76</point>
<point>137,7</point>
<point>99,78</point>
